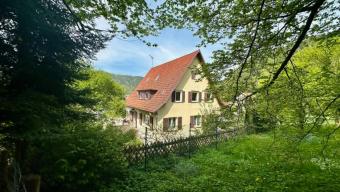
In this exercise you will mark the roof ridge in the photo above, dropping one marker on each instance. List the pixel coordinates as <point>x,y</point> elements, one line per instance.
<point>167,62</point>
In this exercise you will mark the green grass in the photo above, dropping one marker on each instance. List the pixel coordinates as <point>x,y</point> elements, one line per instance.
<point>248,163</point>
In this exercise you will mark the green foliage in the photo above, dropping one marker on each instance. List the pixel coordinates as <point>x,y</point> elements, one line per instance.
<point>41,49</point>
<point>259,56</point>
<point>44,48</point>
<point>253,35</point>
<point>309,85</point>
<point>89,158</point>
<point>125,18</point>
<point>129,82</point>
<point>255,123</point>
<point>249,163</point>
<point>106,93</point>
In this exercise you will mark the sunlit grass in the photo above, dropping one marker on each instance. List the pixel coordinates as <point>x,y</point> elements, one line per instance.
<point>247,163</point>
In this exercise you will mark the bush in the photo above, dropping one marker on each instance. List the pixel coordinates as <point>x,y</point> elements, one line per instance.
<point>81,158</point>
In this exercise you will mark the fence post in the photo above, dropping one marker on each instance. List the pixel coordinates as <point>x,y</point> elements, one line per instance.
<point>145,148</point>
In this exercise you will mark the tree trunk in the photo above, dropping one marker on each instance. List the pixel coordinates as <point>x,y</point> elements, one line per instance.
<point>32,183</point>
<point>4,167</point>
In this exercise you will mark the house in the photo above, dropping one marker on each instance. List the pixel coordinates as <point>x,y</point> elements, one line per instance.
<point>171,97</point>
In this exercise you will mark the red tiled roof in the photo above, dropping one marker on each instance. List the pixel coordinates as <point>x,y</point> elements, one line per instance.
<point>163,78</point>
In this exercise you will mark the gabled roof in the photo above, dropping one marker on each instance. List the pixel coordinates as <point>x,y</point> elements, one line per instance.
<point>164,78</point>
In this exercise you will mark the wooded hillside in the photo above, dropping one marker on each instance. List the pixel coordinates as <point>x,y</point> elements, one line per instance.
<point>128,81</point>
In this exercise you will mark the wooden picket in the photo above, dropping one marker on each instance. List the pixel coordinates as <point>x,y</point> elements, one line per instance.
<point>180,146</point>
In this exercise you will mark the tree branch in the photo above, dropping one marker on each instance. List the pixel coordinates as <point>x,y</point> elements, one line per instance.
<point>249,50</point>
<point>292,51</point>
<point>318,117</point>
<point>302,36</point>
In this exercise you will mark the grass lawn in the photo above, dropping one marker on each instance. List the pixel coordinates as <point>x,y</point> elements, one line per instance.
<point>247,163</point>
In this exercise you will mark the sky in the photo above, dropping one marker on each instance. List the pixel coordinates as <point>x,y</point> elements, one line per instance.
<point>132,57</point>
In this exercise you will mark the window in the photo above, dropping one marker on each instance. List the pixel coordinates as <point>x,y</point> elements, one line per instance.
<point>195,76</point>
<point>178,96</point>
<point>208,97</point>
<point>146,95</point>
<point>195,121</point>
<point>172,122</point>
<point>146,119</point>
<point>143,95</point>
<point>195,96</point>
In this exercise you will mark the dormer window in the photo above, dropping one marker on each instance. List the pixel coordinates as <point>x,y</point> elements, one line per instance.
<point>143,95</point>
<point>146,94</point>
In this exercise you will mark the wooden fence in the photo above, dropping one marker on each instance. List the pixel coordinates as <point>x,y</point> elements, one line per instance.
<point>180,146</point>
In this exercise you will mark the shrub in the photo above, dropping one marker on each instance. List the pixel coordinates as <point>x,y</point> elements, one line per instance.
<point>81,158</point>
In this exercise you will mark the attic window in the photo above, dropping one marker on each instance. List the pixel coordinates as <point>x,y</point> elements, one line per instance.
<point>157,77</point>
<point>146,94</point>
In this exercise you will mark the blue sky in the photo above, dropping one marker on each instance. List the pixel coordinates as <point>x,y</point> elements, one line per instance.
<point>131,56</point>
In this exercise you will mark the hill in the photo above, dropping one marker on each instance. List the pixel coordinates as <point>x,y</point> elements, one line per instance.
<point>129,82</point>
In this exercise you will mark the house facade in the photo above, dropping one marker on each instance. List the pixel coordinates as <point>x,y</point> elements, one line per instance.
<point>171,97</point>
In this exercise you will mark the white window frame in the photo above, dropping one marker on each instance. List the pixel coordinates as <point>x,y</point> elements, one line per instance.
<point>172,122</point>
<point>197,121</point>
<point>197,96</point>
<point>180,96</point>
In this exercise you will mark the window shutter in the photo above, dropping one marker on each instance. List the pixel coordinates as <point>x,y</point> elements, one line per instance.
<point>183,96</point>
<point>179,123</point>
<point>151,123</point>
<point>165,124</point>
<point>173,96</point>
<point>200,96</point>
<point>140,119</point>
<point>190,96</point>
<point>205,96</point>
<point>191,121</point>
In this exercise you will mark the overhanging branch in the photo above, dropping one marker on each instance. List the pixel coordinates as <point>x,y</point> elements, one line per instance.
<point>292,51</point>
<point>249,50</point>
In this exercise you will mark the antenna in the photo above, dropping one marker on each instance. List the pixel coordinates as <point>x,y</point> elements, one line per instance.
<point>151,60</point>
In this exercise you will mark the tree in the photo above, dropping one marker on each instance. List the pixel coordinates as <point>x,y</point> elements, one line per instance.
<point>259,40</point>
<point>251,32</point>
<point>44,47</point>
<point>106,93</point>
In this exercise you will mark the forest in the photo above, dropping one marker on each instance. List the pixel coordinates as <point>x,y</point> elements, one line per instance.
<point>276,77</point>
